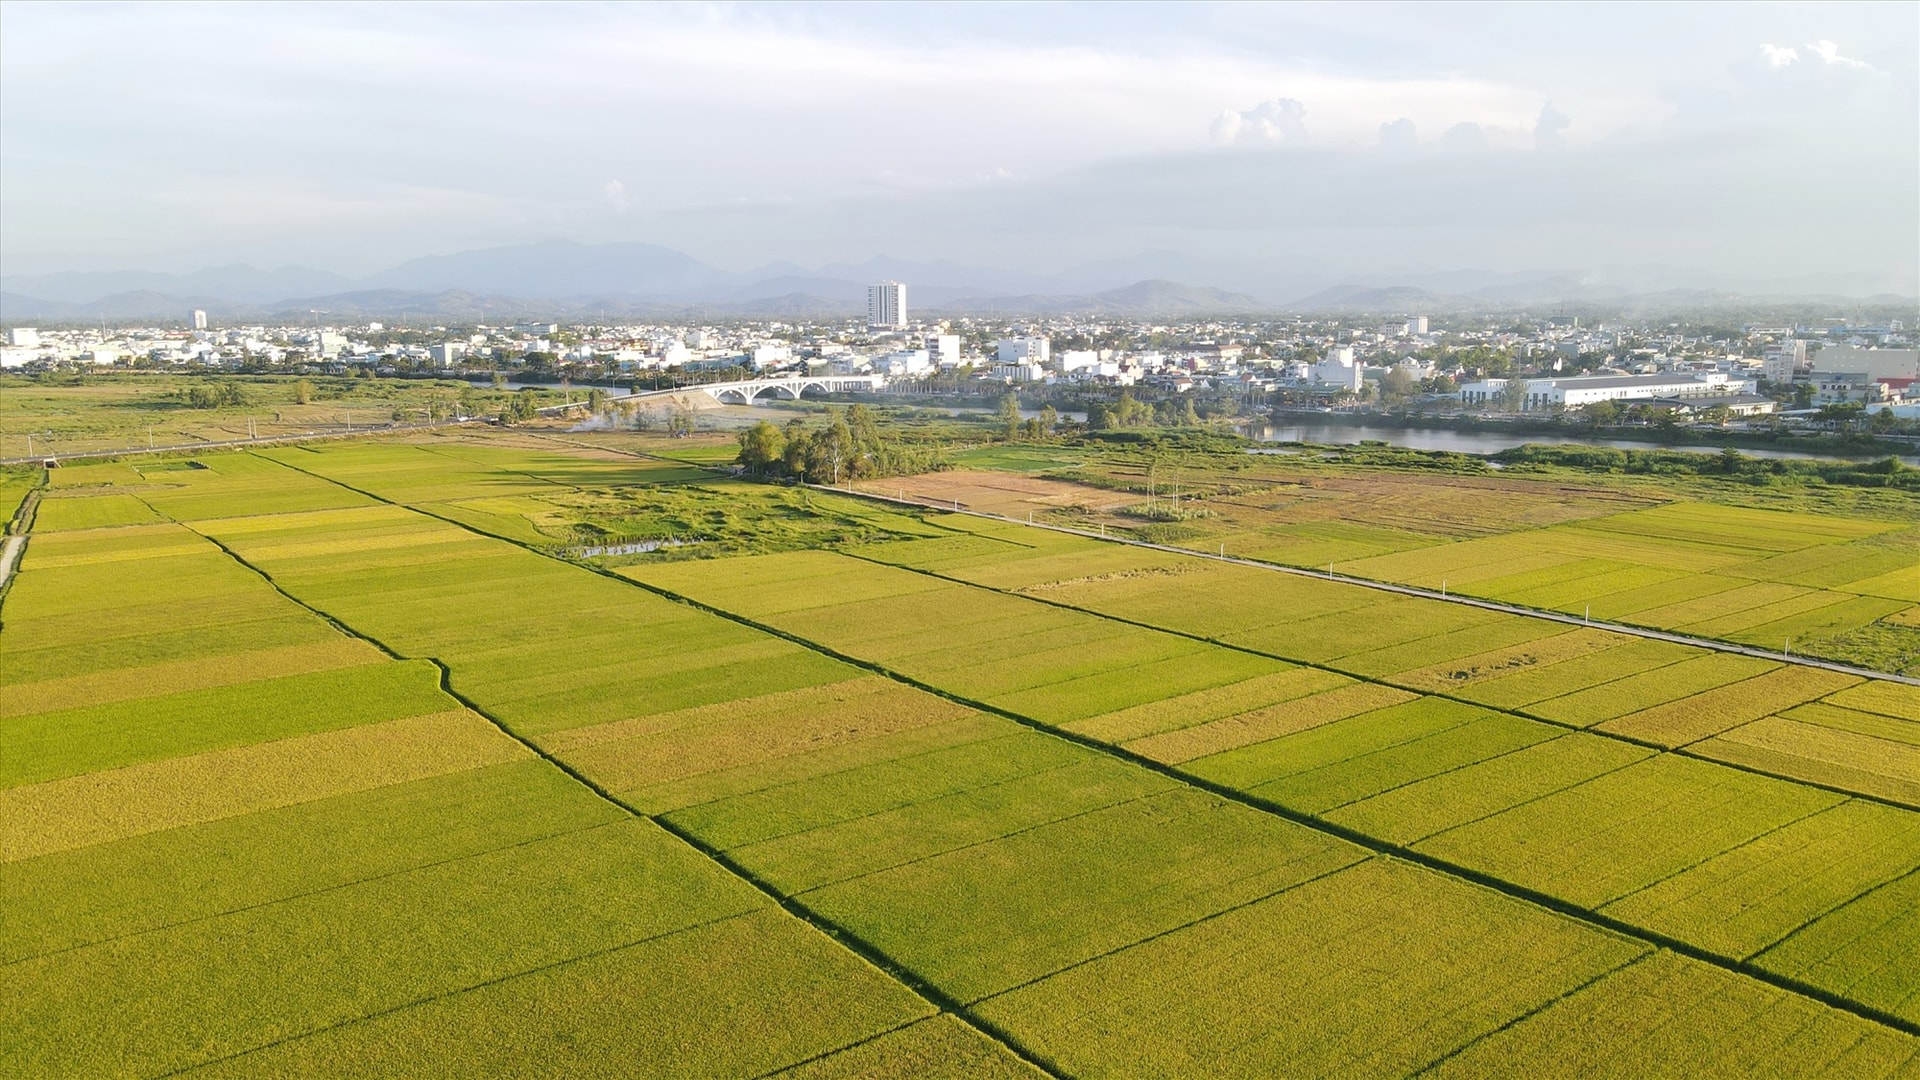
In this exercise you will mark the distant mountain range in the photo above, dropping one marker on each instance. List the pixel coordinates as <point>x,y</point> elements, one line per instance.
<point>630,280</point>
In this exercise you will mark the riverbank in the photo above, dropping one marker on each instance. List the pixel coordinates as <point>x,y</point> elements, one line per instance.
<point>1474,435</point>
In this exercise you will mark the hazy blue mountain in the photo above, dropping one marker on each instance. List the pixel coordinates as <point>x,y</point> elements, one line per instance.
<point>560,268</point>
<point>1391,298</point>
<point>628,280</point>
<point>237,283</point>
<point>1139,298</point>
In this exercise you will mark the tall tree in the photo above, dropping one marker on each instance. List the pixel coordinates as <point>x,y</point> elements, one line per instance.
<point>762,447</point>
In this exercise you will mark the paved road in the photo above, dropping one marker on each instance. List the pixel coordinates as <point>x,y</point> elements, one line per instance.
<point>10,554</point>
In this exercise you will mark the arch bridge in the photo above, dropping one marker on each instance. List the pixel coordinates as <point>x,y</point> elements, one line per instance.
<point>790,387</point>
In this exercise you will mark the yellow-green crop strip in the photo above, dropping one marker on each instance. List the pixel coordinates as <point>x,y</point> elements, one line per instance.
<point>1055,805</point>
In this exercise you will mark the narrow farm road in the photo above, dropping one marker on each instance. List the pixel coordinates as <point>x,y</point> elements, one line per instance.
<point>9,555</point>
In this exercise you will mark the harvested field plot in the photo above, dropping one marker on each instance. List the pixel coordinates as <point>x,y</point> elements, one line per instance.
<point>1004,493</point>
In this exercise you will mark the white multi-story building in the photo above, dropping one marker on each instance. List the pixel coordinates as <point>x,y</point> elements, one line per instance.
<point>1022,350</point>
<point>23,337</point>
<point>445,354</point>
<point>1338,368</point>
<point>904,362</point>
<point>887,305</point>
<point>765,356</point>
<point>199,319</point>
<point>1784,361</point>
<point>1416,326</point>
<point>944,349</point>
<point>1579,391</point>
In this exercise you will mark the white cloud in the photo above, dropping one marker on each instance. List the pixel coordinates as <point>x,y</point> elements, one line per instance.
<point>614,193</point>
<point>1464,137</point>
<point>1829,53</point>
<point>1398,135</point>
<point>1279,120</point>
<point>1546,130</point>
<point>1780,57</point>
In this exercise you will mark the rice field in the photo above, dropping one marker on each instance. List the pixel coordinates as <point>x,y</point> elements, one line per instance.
<point>951,797</point>
<point>1819,583</point>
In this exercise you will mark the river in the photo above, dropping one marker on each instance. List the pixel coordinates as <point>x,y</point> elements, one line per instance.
<point>1491,442</point>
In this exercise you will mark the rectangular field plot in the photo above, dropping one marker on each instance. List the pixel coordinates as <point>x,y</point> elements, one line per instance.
<point>1690,1019</point>
<point>1833,566</point>
<point>990,806</point>
<point>1902,584</point>
<point>62,511</point>
<point>983,919</point>
<point>193,872</point>
<point>1119,683</point>
<point>1351,759</point>
<point>1393,622</point>
<point>1180,712</point>
<point>1501,632</point>
<point>1690,719</point>
<point>1673,682</point>
<point>1456,673</point>
<point>241,980</point>
<point>670,749</point>
<point>237,484</point>
<point>1896,701</point>
<point>751,993</point>
<point>1377,970</point>
<point>1412,812</point>
<point>196,673</point>
<point>1214,599</point>
<point>1525,686</point>
<point>1823,744</point>
<point>1623,830</point>
<point>37,819</point>
<point>939,1046</point>
<point>406,473</point>
<point>1744,900</point>
<point>1867,951</point>
<point>1838,614</point>
<point>1734,526</point>
<point>48,746</point>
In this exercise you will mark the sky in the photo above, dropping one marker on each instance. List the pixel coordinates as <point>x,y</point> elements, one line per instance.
<point>1777,138</point>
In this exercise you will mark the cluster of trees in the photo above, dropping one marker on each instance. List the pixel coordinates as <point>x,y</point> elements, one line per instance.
<point>521,407</point>
<point>1125,412</point>
<point>1031,430</point>
<point>209,395</point>
<point>849,446</point>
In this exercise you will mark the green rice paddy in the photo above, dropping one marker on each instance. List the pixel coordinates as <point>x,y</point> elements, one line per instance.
<point>343,759</point>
